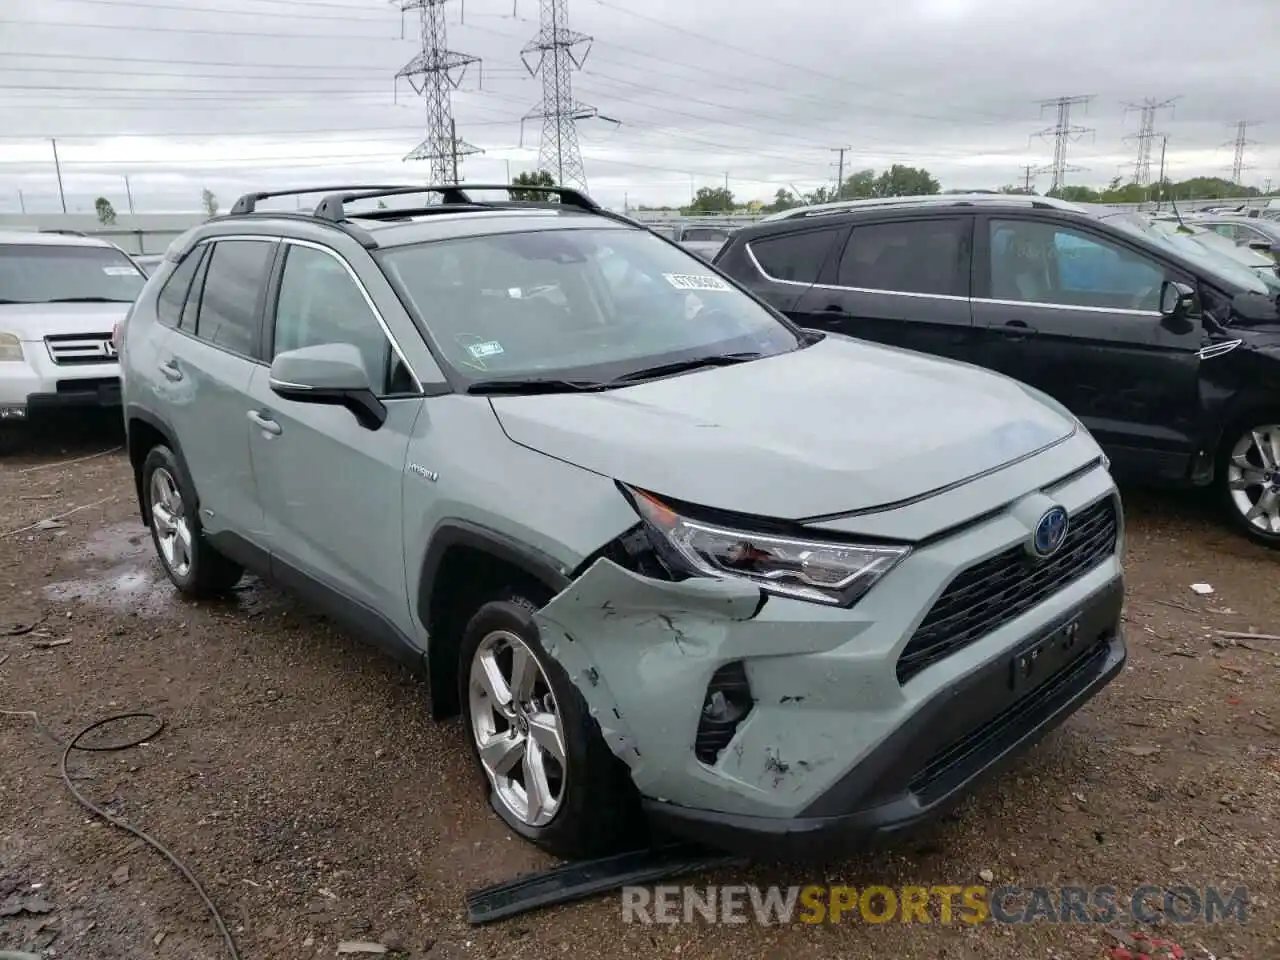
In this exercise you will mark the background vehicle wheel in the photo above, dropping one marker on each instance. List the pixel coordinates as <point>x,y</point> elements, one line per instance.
<point>191,563</point>
<point>1248,477</point>
<point>547,769</point>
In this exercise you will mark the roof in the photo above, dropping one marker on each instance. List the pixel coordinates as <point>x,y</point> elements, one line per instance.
<point>32,237</point>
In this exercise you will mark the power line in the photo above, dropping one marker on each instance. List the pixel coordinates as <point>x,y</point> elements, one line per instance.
<point>720,43</point>
<point>435,73</point>
<point>1146,135</point>
<point>1063,133</point>
<point>310,14</point>
<point>154,28</point>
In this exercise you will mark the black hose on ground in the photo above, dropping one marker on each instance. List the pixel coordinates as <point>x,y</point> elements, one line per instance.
<point>75,744</point>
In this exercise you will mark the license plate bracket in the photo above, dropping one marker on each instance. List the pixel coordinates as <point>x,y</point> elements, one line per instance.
<point>1040,659</point>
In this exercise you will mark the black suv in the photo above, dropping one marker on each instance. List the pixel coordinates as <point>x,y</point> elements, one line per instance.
<point>1168,351</point>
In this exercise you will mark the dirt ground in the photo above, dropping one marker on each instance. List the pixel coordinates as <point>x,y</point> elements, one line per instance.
<point>301,778</point>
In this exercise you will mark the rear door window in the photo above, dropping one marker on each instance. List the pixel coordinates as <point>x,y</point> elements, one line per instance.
<point>911,256</point>
<point>231,301</point>
<point>794,257</point>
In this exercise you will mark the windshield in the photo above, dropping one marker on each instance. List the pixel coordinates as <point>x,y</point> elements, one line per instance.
<point>1201,248</point>
<point>591,303</point>
<point>52,273</point>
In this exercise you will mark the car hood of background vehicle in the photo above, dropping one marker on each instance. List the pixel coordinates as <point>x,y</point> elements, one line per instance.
<point>35,321</point>
<point>838,426</point>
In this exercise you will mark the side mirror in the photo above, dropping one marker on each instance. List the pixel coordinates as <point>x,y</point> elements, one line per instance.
<point>1262,246</point>
<point>330,373</point>
<point>1176,302</point>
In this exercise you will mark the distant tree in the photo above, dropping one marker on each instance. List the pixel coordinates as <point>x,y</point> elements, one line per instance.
<point>711,200</point>
<point>1076,193</point>
<point>106,212</point>
<point>1019,191</point>
<point>209,201</point>
<point>858,186</point>
<point>903,181</point>
<point>821,195</point>
<point>541,178</point>
<point>782,200</point>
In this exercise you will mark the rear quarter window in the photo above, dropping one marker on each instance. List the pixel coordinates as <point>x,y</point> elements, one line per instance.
<point>794,257</point>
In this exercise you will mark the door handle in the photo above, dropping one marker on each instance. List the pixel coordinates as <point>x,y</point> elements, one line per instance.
<point>1017,330</point>
<point>266,423</point>
<point>171,371</point>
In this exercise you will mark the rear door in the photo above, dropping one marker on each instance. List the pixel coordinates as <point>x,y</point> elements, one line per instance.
<point>206,364</point>
<point>903,282</point>
<point>1073,310</point>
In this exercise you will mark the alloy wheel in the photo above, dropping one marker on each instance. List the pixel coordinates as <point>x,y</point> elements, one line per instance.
<point>517,727</point>
<point>169,519</point>
<point>1253,477</point>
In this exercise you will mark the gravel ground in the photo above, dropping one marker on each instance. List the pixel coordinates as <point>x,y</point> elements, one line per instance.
<point>301,778</point>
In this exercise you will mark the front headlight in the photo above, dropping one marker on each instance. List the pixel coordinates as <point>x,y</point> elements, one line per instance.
<point>828,572</point>
<point>10,347</point>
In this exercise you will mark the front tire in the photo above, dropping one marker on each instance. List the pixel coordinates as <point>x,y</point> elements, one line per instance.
<point>1247,477</point>
<point>548,772</point>
<point>192,565</point>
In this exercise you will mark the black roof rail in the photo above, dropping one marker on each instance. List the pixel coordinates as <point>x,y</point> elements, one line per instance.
<point>333,207</point>
<point>63,231</point>
<point>249,202</point>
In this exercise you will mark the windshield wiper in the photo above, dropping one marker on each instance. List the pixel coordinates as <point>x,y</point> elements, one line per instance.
<point>680,366</point>
<point>85,300</point>
<point>530,385</point>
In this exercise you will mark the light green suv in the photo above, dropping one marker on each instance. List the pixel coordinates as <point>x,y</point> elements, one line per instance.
<point>682,566</point>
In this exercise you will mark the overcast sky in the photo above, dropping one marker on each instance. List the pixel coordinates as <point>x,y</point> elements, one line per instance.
<point>236,95</point>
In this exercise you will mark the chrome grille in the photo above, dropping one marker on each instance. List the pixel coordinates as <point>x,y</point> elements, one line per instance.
<point>68,349</point>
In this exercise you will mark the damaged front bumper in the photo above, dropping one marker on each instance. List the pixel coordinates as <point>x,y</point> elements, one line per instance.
<point>833,749</point>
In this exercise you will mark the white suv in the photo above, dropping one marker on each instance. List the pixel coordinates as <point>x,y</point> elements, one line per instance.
<point>61,297</point>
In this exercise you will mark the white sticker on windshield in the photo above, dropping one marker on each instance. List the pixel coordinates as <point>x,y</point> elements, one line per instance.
<point>696,281</point>
<point>489,348</point>
<point>114,271</point>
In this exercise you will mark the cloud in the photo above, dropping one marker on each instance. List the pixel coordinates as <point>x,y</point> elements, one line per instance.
<point>249,94</point>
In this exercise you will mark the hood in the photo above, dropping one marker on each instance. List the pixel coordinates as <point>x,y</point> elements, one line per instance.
<point>839,426</point>
<point>35,321</point>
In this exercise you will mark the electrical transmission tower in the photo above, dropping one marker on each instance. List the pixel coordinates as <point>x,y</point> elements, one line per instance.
<point>1029,174</point>
<point>1146,135</point>
<point>1240,143</point>
<point>558,53</point>
<point>1063,132</point>
<point>434,74</point>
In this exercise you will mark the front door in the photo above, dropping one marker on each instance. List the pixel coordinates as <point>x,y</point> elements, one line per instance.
<point>331,488</point>
<point>1074,312</point>
<point>900,282</point>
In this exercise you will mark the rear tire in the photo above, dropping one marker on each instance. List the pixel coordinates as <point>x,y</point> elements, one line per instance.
<point>583,803</point>
<point>1247,477</point>
<point>191,563</point>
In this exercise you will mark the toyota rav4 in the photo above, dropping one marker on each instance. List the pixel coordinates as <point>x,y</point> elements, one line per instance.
<point>678,563</point>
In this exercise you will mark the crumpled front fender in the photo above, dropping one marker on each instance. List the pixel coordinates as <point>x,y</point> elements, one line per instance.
<point>642,652</point>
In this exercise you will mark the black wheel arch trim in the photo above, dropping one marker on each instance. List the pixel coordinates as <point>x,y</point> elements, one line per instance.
<point>135,412</point>
<point>463,533</point>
